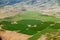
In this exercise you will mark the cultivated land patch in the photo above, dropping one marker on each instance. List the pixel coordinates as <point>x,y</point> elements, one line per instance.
<point>12,35</point>
<point>32,15</point>
<point>31,23</point>
<point>28,27</point>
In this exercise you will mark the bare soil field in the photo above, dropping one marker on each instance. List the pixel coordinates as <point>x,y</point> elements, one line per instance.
<point>43,37</point>
<point>9,35</point>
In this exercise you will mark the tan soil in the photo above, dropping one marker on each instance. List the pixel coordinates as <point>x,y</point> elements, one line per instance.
<point>43,37</point>
<point>8,11</point>
<point>9,35</point>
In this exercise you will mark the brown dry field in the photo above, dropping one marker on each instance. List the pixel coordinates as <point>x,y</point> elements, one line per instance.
<point>43,37</point>
<point>9,35</point>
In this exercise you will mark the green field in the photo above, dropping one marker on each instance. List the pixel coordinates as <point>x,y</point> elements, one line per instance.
<point>32,15</point>
<point>31,23</point>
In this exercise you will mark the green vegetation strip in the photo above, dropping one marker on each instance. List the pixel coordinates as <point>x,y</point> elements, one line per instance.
<point>38,35</point>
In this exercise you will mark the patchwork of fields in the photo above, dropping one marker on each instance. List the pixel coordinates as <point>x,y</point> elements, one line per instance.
<point>31,23</point>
